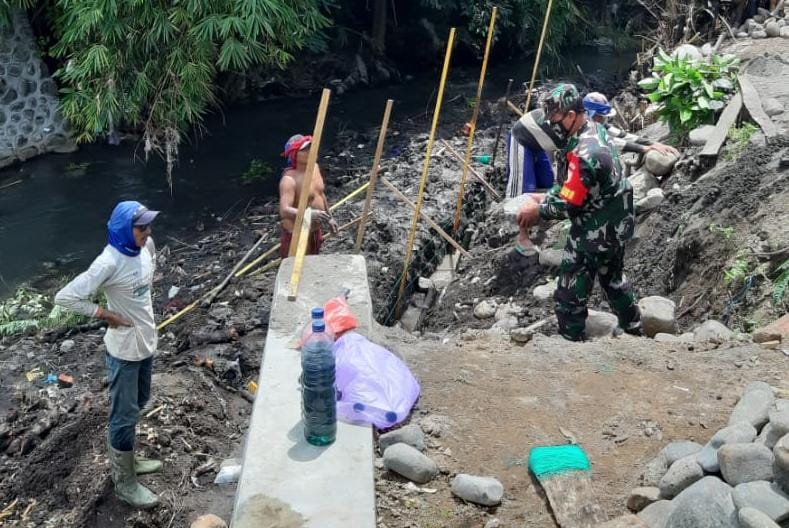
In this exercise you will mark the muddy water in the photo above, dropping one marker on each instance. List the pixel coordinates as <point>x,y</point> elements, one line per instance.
<point>53,219</point>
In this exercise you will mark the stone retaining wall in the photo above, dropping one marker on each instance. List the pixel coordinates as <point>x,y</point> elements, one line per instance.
<point>30,123</point>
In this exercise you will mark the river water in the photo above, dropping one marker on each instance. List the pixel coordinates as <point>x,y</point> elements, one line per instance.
<point>54,220</point>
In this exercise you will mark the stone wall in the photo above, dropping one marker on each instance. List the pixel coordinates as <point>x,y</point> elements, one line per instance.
<point>30,123</point>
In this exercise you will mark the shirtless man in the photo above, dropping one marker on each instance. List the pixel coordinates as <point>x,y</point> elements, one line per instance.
<point>297,151</point>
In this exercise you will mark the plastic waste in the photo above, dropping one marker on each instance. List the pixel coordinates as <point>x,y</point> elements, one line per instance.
<point>339,316</point>
<point>228,475</point>
<point>318,395</point>
<point>373,385</point>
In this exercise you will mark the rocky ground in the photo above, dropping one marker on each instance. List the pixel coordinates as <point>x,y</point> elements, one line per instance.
<point>487,398</point>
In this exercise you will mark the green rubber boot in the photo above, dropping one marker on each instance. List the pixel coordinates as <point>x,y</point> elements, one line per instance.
<point>127,488</point>
<point>143,466</point>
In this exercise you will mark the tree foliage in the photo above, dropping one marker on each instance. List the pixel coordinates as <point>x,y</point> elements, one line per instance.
<point>151,64</point>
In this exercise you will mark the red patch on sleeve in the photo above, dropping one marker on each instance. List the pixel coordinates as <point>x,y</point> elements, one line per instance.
<point>574,191</point>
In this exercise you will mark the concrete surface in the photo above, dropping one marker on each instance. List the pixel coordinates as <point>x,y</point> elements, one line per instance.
<point>286,482</point>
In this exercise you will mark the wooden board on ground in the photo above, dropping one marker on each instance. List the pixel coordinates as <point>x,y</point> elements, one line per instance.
<point>572,500</point>
<point>725,122</point>
<point>753,104</point>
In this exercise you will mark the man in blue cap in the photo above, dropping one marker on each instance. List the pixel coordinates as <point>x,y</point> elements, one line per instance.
<point>124,272</point>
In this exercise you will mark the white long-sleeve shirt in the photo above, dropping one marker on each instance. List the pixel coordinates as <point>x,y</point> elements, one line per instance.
<point>127,282</point>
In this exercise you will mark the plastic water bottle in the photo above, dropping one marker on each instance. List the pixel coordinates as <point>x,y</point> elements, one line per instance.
<point>318,396</point>
<point>316,314</point>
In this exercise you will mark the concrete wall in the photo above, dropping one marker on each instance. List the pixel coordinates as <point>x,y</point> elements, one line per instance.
<point>30,123</point>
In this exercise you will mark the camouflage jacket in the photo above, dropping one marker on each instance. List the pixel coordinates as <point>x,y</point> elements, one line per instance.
<point>592,192</point>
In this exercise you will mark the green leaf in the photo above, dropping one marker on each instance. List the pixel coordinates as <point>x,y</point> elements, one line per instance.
<point>649,84</point>
<point>704,103</point>
<point>685,115</point>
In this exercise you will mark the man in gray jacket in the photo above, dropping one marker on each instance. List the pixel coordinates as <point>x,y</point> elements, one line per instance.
<point>124,271</point>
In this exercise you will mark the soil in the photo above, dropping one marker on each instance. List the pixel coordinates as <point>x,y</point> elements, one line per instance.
<point>622,399</point>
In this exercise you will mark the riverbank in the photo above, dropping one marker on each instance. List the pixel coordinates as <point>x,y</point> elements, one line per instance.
<point>493,396</point>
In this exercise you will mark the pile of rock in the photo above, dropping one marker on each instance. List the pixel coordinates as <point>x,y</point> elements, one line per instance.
<point>765,25</point>
<point>739,479</point>
<point>403,454</point>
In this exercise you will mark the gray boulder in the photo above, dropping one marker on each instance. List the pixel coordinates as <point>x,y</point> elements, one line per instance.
<point>680,449</point>
<point>772,106</point>
<point>712,331</point>
<point>600,324</point>
<point>706,504</point>
<point>659,163</point>
<point>545,292</point>
<point>658,314</point>
<point>410,434</point>
<point>656,514</point>
<point>779,426</point>
<point>410,463</point>
<point>739,433</point>
<point>784,32</point>
<point>754,407</point>
<point>485,310</point>
<point>486,491</point>
<point>651,201</point>
<point>640,498</point>
<point>758,34</point>
<point>772,29</point>
<point>679,476</point>
<point>521,335</point>
<point>654,470</point>
<point>781,466</point>
<point>551,258</point>
<point>763,496</point>
<point>753,518</point>
<point>700,135</point>
<point>741,463</point>
<point>67,346</point>
<point>643,182</point>
<point>662,337</point>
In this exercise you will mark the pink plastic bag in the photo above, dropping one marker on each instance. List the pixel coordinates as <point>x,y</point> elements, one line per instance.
<point>373,385</point>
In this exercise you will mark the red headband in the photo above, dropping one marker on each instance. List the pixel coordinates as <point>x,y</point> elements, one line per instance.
<point>293,149</point>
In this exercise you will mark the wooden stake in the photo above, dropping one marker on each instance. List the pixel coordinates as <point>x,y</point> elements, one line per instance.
<point>476,174</point>
<point>212,295</point>
<point>515,108</point>
<point>539,53</point>
<point>474,116</point>
<point>306,183</point>
<point>426,218</point>
<point>418,208</point>
<point>501,125</point>
<point>301,252</point>
<point>373,175</point>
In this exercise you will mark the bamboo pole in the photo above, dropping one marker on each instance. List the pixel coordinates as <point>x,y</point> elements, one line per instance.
<point>515,108</point>
<point>373,175</point>
<point>311,160</point>
<point>539,53</point>
<point>424,216</point>
<point>501,125</point>
<point>216,291</point>
<point>474,116</point>
<point>301,252</point>
<point>272,250</point>
<point>418,208</point>
<point>474,173</point>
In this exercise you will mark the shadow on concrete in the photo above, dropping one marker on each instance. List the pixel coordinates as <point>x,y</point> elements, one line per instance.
<point>302,451</point>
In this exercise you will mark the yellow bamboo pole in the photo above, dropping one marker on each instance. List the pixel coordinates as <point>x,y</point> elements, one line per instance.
<point>311,160</point>
<point>379,149</point>
<point>177,316</point>
<point>539,53</point>
<point>436,112</point>
<point>474,116</point>
<point>301,252</point>
<point>515,108</point>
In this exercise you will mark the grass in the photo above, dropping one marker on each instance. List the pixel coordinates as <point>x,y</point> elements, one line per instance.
<point>739,137</point>
<point>256,172</point>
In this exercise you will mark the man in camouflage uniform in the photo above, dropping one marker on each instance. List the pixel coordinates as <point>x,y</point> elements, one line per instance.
<point>592,193</point>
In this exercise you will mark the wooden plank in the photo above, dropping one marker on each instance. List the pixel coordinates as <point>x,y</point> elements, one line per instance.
<point>311,160</point>
<point>753,104</point>
<point>379,149</point>
<point>572,501</point>
<point>725,122</point>
<point>301,251</point>
<point>424,217</point>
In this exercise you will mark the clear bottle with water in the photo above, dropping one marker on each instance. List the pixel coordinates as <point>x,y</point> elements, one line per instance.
<point>318,395</point>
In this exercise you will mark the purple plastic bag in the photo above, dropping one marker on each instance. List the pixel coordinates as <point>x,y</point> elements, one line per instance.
<point>373,385</point>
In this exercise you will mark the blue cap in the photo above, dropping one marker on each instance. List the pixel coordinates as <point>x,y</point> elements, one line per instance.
<point>318,325</point>
<point>317,313</point>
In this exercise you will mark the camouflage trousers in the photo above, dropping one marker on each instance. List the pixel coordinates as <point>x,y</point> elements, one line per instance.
<point>576,279</point>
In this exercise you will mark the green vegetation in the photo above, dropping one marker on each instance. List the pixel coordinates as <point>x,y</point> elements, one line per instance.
<point>738,140</point>
<point>28,311</point>
<point>689,93</point>
<point>727,232</point>
<point>256,172</point>
<point>781,283</point>
<point>738,271</point>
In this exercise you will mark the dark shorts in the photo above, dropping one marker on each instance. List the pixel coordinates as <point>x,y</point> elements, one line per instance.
<point>313,245</point>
